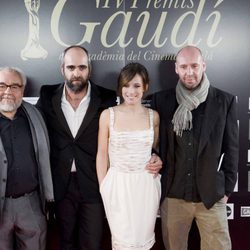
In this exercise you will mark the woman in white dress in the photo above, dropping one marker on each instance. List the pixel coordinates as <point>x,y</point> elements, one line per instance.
<point>127,134</point>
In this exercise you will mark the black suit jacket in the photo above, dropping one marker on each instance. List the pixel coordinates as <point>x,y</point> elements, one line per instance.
<point>218,140</point>
<point>82,148</point>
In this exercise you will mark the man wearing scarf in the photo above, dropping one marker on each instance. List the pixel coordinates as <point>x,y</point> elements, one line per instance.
<point>199,149</point>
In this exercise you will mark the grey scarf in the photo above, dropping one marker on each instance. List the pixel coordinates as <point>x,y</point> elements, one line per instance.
<point>188,100</point>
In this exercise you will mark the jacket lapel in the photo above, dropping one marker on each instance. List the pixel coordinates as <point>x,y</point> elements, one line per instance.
<point>210,117</point>
<point>56,103</point>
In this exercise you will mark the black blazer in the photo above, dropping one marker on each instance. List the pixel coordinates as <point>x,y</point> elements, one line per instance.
<point>219,138</point>
<point>82,148</point>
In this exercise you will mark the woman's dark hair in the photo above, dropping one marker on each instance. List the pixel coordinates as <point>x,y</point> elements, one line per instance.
<point>128,73</point>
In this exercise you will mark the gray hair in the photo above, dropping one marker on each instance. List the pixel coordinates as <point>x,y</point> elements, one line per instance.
<point>17,71</point>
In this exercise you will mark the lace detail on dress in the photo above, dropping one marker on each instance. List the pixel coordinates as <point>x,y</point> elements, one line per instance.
<point>129,151</point>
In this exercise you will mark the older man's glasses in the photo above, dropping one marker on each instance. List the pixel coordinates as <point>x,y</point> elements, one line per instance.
<point>13,87</point>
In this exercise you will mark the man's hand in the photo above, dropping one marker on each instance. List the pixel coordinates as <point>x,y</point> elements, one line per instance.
<point>225,199</point>
<point>154,165</point>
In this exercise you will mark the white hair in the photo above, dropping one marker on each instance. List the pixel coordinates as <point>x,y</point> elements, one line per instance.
<point>17,71</point>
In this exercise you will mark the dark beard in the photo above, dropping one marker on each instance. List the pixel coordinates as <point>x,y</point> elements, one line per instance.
<point>76,88</point>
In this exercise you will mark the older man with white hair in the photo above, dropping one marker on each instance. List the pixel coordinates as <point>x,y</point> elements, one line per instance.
<point>25,173</point>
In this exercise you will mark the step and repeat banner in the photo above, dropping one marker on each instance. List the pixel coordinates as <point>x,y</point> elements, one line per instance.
<point>33,33</point>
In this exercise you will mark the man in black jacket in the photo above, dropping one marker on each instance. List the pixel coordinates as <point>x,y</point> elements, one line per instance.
<point>71,110</point>
<point>199,147</point>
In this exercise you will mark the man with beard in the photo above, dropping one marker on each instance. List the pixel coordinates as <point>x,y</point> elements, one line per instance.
<point>25,173</point>
<point>72,111</point>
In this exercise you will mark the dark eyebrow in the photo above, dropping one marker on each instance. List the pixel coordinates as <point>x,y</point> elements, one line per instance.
<point>77,66</point>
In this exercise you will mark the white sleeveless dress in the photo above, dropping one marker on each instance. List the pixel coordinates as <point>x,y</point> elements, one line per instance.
<point>130,194</point>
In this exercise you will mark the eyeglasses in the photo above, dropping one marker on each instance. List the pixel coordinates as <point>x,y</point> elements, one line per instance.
<point>13,87</point>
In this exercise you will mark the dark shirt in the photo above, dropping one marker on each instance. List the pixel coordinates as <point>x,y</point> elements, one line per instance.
<point>186,150</point>
<point>22,176</point>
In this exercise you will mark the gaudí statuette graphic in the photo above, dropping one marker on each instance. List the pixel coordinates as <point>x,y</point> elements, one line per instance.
<point>33,49</point>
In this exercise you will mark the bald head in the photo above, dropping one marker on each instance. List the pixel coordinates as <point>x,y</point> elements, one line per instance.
<point>75,48</point>
<point>189,51</point>
<point>190,66</point>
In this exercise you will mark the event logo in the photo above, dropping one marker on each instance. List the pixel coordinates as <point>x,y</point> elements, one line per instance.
<point>245,212</point>
<point>230,211</point>
<point>33,49</point>
<point>193,11</point>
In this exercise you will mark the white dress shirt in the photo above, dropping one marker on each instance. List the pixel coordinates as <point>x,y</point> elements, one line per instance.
<point>73,117</point>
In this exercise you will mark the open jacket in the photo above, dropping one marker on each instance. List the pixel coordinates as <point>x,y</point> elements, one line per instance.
<point>41,148</point>
<point>218,141</point>
<point>82,148</point>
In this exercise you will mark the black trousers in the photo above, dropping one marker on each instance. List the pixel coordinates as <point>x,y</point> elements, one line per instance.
<point>80,224</point>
